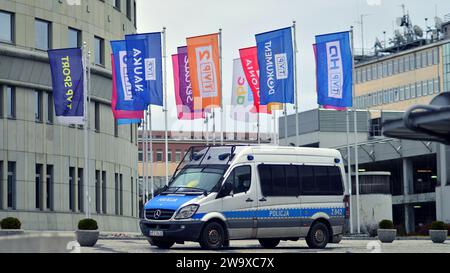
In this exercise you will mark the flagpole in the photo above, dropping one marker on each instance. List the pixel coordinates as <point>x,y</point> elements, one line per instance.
<point>144,151</point>
<point>150,130</point>
<point>86,122</point>
<point>222,120</point>
<point>166,107</point>
<point>356,139</point>
<point>297,132</point>
<point>258,125</point>
<point>286,125</point>
<point>349,170</point>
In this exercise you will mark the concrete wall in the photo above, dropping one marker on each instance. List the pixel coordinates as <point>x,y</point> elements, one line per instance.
<point>373,209</point>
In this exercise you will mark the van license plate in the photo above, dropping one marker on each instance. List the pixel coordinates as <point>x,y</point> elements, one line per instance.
<point>156,233</point>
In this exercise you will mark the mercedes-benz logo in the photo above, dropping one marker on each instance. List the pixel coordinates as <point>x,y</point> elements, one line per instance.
<point>157,214</point>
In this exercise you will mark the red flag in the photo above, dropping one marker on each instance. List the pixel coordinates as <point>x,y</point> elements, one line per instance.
<point>121,114</point>
<point>249,59</point>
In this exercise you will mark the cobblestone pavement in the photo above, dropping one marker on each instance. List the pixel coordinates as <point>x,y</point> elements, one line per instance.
<point>346,246</point>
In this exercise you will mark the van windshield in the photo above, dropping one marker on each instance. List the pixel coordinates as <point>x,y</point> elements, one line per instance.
<point>198,178</point>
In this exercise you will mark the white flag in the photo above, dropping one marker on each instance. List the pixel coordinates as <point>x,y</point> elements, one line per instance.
<point>242,107</point>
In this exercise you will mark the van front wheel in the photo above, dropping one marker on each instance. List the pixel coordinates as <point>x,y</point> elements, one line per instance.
<point>269,243</point>
<point>318,236</point>
<point>162,244</point>
<point>213,236</point>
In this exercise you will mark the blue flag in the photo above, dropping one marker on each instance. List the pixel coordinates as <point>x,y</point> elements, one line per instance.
<point>128,121</point>
<point>144,64</point>
<point>276,66</point>
<point>68,86</point>
<point>125,99</point>
<point>334,70</point>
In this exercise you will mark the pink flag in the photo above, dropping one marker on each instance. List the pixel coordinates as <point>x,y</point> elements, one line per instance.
<point>184,111</point>
<point>325,106</point>
<point>121,114</point>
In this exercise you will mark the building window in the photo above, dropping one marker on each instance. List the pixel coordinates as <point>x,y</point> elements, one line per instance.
<point>42,34</point>
<point>74,38</point>
<point>178,156</point>
<point>128,9</point>
<point>396,66</point>
<point>419,89</point>
<point>99,51</point>
<point>104,191</point>
<point>11,186</point>
<point>385,69</point>
<point>121,193</point>
<point>116,4</point>
<point>390,67</point>
<point>97,117</point>
<point>424,59</point>
<point>97,192</point>
<point>407,92</point>
<point>38,106</point>
<point>10,102</point>
<point>80,190</point>
<point>379,71</point>
<point>116,128</point>
<point>1,101</point>
<point>6,27</point>
<point>132,196</point>
<point>418,61</point>
<point>72,189</point>
<point>159,156</point>
<point>135,13</point>
<point>169,156</point>
<point>402,93</point>
<point>413,91</point>
<point>437,87</point>
<point>38,186</point>
<point>50,111</point>
<point>49,188</point>
<point>116,193</point>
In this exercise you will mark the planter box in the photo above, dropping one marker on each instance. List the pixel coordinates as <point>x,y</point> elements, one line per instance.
<point>11,232</point>
<point>87,238</point>
<point>438,236</point>
<point>387,235</point>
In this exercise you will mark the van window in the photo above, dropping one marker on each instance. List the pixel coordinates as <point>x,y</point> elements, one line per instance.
<point>290,180</point>
<point>241,178</point>
<point>321,180</point>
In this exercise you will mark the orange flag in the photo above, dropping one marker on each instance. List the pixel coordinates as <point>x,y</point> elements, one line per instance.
<point>204,65</point>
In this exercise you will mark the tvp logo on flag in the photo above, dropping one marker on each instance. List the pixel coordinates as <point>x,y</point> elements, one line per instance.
<point>335,77</point>
<point>276,63</point>
<point>206,72</point>
<point>334,70</point>
<point>68,85</point>
<point>204,65</point>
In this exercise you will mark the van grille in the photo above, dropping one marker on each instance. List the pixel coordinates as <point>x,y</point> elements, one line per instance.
<point>164,214</point>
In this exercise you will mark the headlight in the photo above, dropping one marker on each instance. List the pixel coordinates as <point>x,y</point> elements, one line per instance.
<point>187,212</point>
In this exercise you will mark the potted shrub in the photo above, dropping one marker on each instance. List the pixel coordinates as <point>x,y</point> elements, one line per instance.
<point>386,231</point>
<point>11,226</point>
<point>87,233</point>
<point>438,232</point>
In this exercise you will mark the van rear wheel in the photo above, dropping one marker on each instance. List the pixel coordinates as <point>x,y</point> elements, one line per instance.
<point>162,244</point>
<point>269,243</point>
<point>212,236</point>
<point>318,236</point>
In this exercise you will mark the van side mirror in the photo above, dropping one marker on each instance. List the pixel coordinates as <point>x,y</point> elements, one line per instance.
<point>227,188</point>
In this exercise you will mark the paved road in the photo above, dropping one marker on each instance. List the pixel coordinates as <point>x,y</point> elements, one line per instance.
<point>346,246</point>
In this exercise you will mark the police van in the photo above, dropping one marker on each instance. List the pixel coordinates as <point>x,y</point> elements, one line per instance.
<point>268,193</point>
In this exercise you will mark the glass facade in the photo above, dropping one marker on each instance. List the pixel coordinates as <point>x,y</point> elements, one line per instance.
<point>446,66</point>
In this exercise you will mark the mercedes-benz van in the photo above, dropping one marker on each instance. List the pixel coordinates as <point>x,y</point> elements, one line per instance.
<point>268,193</point>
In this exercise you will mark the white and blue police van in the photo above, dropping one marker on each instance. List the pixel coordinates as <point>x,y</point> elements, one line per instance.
<point>268,193</point>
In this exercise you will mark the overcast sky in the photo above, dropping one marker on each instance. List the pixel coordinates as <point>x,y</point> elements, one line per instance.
<point>242,19</point>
